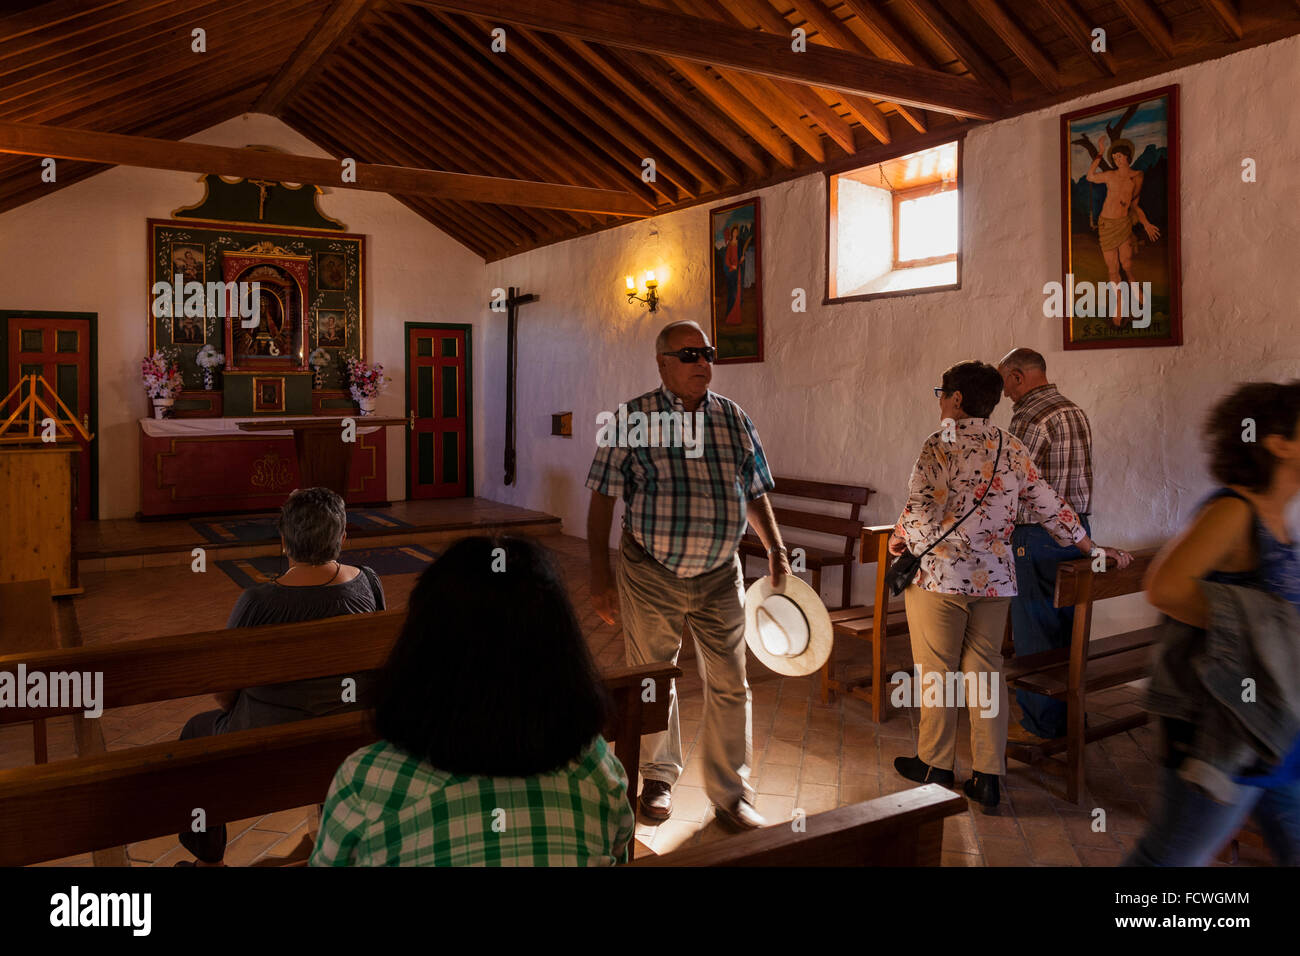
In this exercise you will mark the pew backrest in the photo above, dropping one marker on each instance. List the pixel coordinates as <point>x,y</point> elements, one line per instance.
<point>901,829</point>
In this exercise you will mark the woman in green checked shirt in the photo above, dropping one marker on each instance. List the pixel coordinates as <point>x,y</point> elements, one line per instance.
<point>490,711</point>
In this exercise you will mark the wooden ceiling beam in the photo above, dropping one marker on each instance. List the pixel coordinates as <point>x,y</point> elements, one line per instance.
<point>1225,15</point>
<point>719,124</point>
<point>100,62</point>
<point>453,225</point>
<point>618,154</point>
<point>138,87</point>
<point>781,109</point>
<point>87,146</point>
<point>330,31</point>
<point>1020,43</point>
<point>1150,23</point>
<point>860,108</point>
<point>595,87</point>
<point>600,110</point>
<point>360,91</point>
<point>1075,26</point>
<point>57,26</point>
<point>750,119</point>
<point>685,124</point>
<point>465,110</point>
<point>971,56</point>
<point>622,24</point>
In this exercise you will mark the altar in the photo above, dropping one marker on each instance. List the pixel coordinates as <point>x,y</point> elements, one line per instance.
<point>212,466</point>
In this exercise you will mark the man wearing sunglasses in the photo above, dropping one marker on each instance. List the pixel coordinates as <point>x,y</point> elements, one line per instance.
<point>683,520</point>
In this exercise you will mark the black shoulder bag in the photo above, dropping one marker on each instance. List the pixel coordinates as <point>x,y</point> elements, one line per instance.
<point>905,566</point>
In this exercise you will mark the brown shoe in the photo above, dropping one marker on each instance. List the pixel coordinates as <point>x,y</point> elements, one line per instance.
<point>656,800</point>
<point>742,816</point>
<point>1018,735</point>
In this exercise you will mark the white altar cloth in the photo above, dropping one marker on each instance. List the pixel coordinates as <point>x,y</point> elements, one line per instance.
<point>168,427</point>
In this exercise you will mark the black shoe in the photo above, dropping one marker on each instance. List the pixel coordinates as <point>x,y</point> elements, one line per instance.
<point>914,768</point>
<point>740,817</point>
<point>983,789</point>
<point>656,799</point>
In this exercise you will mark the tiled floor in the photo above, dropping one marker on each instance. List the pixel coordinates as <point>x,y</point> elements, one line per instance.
<point>806,755</point>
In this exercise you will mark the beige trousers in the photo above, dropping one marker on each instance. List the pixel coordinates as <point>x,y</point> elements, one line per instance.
<point>654,604</point>
<point>952,635</point>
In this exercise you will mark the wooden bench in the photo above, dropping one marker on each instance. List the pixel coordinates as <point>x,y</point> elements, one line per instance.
<point>817,558</point>
<point>117,790</point>
<point>863,623</point>
<point>901,829</point>
<point>27,624</point>
<point>1086,666</point>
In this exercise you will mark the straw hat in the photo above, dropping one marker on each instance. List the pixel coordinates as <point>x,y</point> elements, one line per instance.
<point>787,627</point>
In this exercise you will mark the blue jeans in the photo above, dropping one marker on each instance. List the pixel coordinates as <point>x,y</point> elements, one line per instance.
<point>1036,625</point>
<point>1189,828</point>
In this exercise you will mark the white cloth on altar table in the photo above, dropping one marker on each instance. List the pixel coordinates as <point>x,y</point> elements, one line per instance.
<point>167,427</point>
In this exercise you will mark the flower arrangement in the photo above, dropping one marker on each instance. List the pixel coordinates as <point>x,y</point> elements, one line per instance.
<point>318,360</point>
<point>161,375</point>
<point>365,381</point>
<point>209,359</point>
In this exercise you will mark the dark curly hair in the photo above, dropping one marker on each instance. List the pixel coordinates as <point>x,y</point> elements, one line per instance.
<point>1275,410</point>
<point>980,385</point>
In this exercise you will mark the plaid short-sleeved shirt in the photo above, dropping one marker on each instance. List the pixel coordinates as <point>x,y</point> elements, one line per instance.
<point>386,808</point>
<point>1057,434</point>
<point>687,511</point>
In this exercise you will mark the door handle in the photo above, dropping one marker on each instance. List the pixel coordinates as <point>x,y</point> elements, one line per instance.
<point>410,419</point>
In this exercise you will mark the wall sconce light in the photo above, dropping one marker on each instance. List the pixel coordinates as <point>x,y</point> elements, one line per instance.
<point>651,298</point>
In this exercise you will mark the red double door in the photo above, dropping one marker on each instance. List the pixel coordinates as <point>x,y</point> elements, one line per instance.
<point>437,390</point>
<point>59,350</point>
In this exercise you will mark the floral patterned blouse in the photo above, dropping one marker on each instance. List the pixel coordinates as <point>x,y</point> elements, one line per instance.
<point>947,479</point>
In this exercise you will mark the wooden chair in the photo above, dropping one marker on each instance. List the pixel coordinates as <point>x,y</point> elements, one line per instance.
<point>188,665</point>
<point>1086,666</point>
<point>864,623</point>
<point>27,624</point>
<point>902,829</point>
<point>817,558</point>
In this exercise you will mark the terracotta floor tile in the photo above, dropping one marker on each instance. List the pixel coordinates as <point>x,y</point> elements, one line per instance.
<point>815,798</point>
<point>1005,851</point>
<point>778,779</point>
<point>1049,843</point>
<point>690,804</point>
<point>820,770</point>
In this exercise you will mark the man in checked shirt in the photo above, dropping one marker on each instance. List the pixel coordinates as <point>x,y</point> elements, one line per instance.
<point>1056,432</point>
<point>686,511</point>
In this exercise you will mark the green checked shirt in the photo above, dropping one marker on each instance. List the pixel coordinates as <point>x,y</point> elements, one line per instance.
<point>386,808</point>
<point>685,500</point>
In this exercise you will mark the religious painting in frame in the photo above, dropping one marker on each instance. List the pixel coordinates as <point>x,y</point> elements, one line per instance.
<point>188,330</point>
<point>187,261</point>
<point>737,282</point>
<point>1121,284</point>
<point>331,329</point>
<point>331,272</point>
<point>268,394</point>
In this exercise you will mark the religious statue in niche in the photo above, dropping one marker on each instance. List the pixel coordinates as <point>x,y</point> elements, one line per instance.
<point>272,336</point>
<point>278,338</point>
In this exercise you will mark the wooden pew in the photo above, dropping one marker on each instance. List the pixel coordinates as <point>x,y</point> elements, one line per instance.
<point>188,665</point>
<point>817,558</point>
<point>901,829</point>
<point>1086,666</point>
<point>863,623</point>
<point>27,624</point>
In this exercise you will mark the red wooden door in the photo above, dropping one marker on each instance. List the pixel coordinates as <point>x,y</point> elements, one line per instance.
<point>436,394</point>
<point>59,351</point>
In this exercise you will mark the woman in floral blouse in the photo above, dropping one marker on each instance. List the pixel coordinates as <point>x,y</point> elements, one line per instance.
<point>957,606</point>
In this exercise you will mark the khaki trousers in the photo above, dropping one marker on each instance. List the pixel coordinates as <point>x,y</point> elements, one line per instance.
<point>654,603</point>
<point>960,634</point>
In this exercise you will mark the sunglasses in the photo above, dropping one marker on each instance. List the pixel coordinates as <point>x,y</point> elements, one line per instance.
<point>691,355</point>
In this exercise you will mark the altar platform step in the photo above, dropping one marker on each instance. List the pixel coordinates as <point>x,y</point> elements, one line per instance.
<point>127,544</point>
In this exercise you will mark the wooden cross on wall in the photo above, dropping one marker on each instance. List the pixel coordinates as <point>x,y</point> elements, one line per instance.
<point>513,300</point>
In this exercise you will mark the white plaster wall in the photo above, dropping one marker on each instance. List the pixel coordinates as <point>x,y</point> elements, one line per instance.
<point>83,249</point>
<point>844,391</point>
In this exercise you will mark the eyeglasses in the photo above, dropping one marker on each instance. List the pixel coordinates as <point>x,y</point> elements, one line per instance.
<point>940,391</point>
<point>691,355</point>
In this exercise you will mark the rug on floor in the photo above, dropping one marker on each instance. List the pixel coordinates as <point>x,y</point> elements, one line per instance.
<point>406,559</point>
<point>254,528</point>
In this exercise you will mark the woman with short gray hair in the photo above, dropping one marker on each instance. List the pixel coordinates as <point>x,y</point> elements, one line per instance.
<point>313,526</point>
